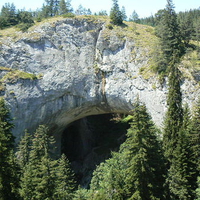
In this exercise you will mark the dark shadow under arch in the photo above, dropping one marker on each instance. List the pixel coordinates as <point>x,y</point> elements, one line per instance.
<point>89,141</point>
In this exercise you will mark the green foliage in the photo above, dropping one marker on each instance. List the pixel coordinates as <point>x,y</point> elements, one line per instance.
<point>198,189</point>
<point>81,194</point>
<point>14,75</point>
<point>8,170</point>
<point>63,7</point>
<point>41,176</point>
<point>134,17</point>
<point>65,183</point>
<point>123,12</point>
<point>179,172</point>
<point>69,15</point>
<point>108,179</point>
<point>24,148</point>
<point>25,20</point>
<point>38,177</point>
<point>8,16</point>
<point>174,115</point>
<point>144,174</point>
<point>195,133</point>
<point>115,14</point>
<point>137,170</point>
<point>170,37</point>
<point>183,169</point>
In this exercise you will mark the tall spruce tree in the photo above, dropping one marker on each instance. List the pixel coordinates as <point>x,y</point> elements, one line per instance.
<point>137,170</point>
<point>170,37</point>
<point>8,15</point>
<point>174,115</point>
<point>38,178</point>
<point>181,171</point>
<point>195,148</point>
<point>24,148</point>
<point>195,134</point>
<point>65,182</point>
<point>144,174</point>
<point>172,131</point>
<point>175,137</point>
<point>198,189</point>
<point>108,179</point>
<point>63,7</point>
<point>8,170</point>
<point>115,14</point>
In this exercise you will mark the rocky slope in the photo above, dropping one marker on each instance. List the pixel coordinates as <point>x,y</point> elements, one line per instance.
<point>78,67</point>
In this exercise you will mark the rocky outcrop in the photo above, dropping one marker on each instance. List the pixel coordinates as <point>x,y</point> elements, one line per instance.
<point>82,68</point>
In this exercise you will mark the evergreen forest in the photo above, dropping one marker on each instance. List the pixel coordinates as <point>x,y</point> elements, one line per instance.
<point>151,164</point>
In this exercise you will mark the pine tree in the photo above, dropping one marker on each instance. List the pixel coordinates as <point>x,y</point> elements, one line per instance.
<point>144,174</point>
<point>123,11</point>
<point>63,7</point>
<point>179,173</point>
<point>172,129</point>
<point>134,17</point>
<point>8,170</point>
<point>108,179</point>
<point>186,27</point>
<point>38,178</point>
<point>174,115</point>
<point>198,189</point>
<point>65,183</point>
<point>8,15</point>
<point>195,134</point>
<point>195,146</point>
<point>170,37</point>
<point>115,14</point>
<point>51,8</point>
<point>24,148</point>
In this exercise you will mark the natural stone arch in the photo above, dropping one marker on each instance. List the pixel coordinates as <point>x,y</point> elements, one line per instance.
<point>89,141</point>
<point>65,117</point>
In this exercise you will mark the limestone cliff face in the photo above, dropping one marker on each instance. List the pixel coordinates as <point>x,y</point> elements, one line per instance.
<point>82,70</point>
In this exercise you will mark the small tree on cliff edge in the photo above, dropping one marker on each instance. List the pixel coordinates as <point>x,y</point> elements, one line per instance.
<point>115,14</point>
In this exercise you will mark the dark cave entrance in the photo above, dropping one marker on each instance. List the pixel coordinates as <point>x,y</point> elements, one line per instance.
<point>89,141</point>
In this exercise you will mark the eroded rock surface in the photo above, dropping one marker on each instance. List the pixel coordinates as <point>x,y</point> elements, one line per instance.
<point>81,71</point>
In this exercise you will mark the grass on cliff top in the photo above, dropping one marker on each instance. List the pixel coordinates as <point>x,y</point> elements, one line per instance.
<point>142,35</point>
<point>15,34</point>
<point>12,75</point>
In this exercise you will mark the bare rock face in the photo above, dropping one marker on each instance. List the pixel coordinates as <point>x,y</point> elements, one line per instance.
<point>81,70</point>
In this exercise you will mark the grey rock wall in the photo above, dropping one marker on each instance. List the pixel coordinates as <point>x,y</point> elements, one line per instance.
<point>82,72</point>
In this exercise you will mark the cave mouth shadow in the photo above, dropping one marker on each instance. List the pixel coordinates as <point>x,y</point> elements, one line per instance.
<point>89,141</point>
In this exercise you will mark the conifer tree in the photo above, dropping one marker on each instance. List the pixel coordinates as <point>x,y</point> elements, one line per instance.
<point>8,15</point>
<point>170,37</point>
<point>134,17</point>
<point>115,14</point>
<point>38,178</point>
<point>195,134</point>
<point>63,7</point>
<point>180,173</point>
<point>136,171</point>
<point>198,189</point>
<point>65,183</point>
<point>108,179</point>
<point>174,115</point>
<point>195,147</point>
<point>144,174</point>
<point>24,148</point>
<point>8,170</point>
<point>123,11</point>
